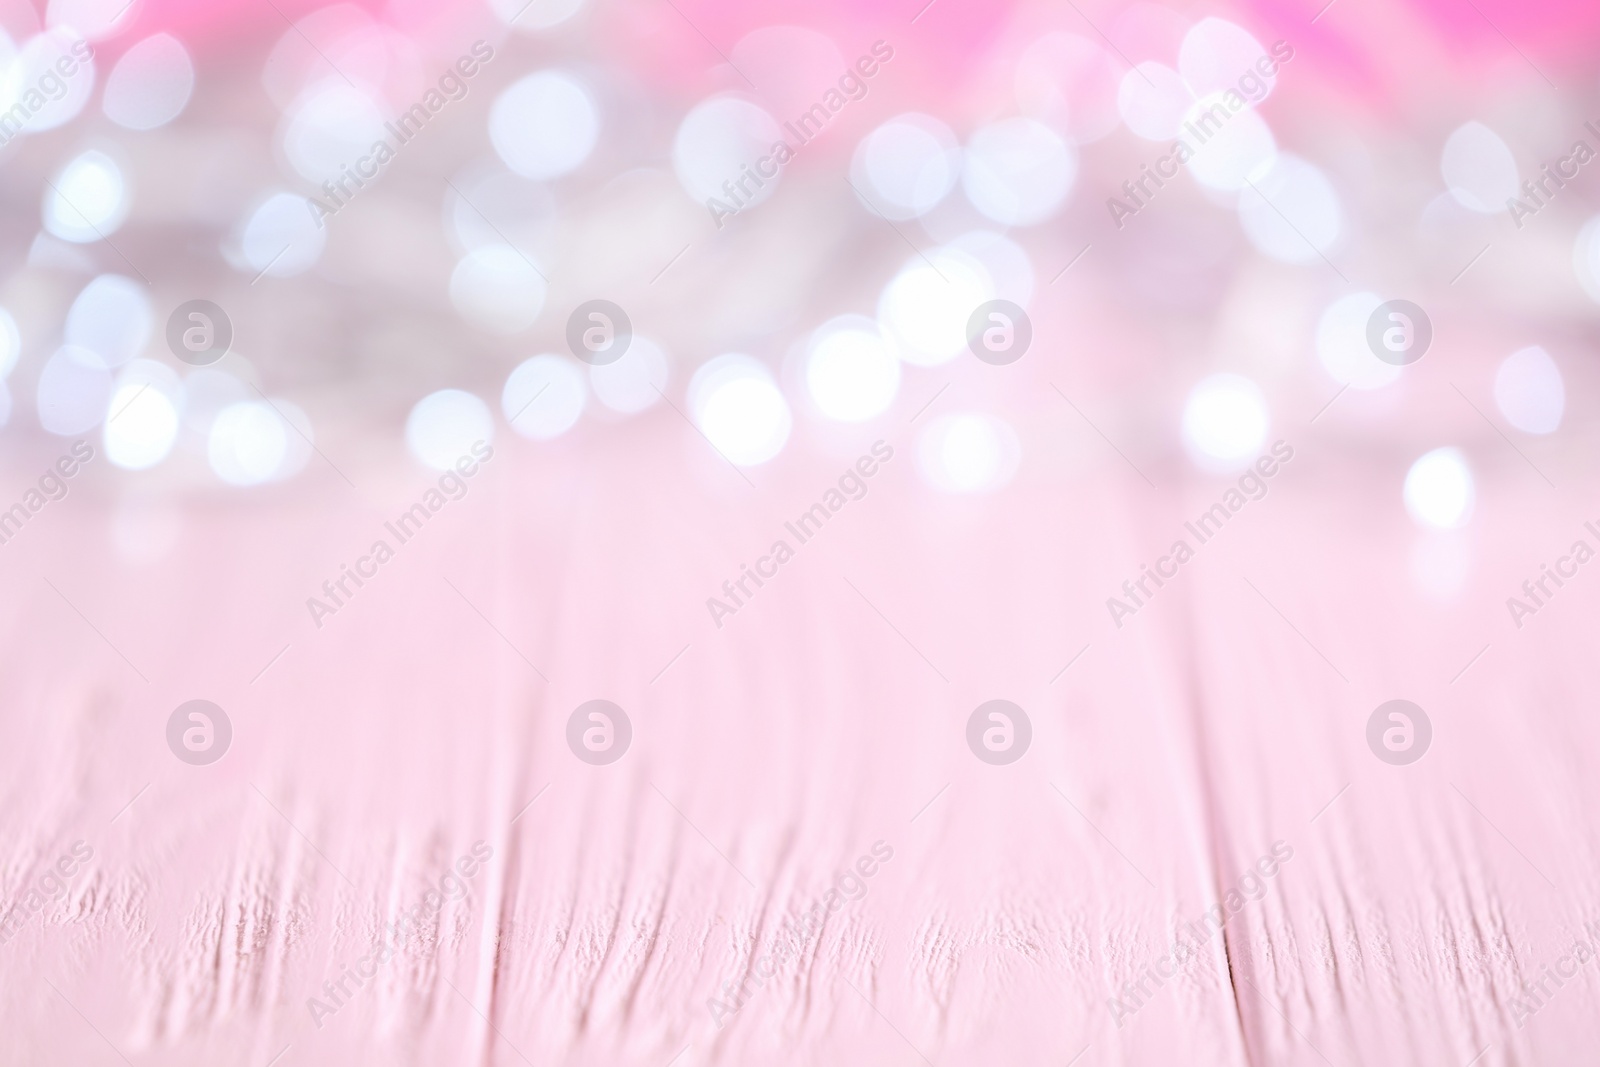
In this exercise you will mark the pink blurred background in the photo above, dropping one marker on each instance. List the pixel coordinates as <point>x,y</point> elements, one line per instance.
<point>399,754</point>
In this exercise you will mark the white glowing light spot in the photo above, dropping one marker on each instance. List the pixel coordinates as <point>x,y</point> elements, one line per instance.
<point>142,418</point>
<point>1586,258</point>
<point>716,141</point>
<point>89,200</point>
<point>150,85</point>
<point>851,369</point>
<point>1241,150</point>
<point>1217,54</point>
<point>111,317</point>
<point>544,125</point>
<point>1529,391</point>
<point>1018,171</point>
<point>1478,168</point>
<point>33,87</point>
<point>444,426</point>
<point>926,306</point>
<point>5,403</point>
<point>250,443</point>
<point>1342,346</point>
<point>1153,99</point>
<point>329,127</point>
<point>633,382</point>
<point>544,396</point>
<point>1224,422</point>
<point>736,404</point>
<point>1292,214</point>
<point>281,238</point>
<point>1438,490</point>
<point>95,19</point>
<point>10,343</point>
<point>530,16</point>
<point>497,289</point>
<point>74,388</point>
<point>1006,262</point>
<point>968,452</point>
<point>907,165</point>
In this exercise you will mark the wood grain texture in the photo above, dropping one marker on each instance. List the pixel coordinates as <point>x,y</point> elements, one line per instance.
<point>825,716</point>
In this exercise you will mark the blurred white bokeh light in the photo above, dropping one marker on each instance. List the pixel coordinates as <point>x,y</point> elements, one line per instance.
<point>95,19</point>
<point>1478,168</point>
<point>328,128</point>
<point>1342,346</point>
<point>544,125</point>
<point>10,343</point>
<point>281,237</point>
<point>1291,212</point>
<point>497,289</point>
<point>1225,422</point>
<point>968,452</point>
<point>88,200</point>
<point>150,85</point>
<point>544,396</point>
<point>1529,391</point>
<point>1438,489</point>
<point>716,141</point>
<point>1018,171</point>
<point>525,16</point>
<point>1241,150</point>
<point>142,418</point>
<point>37,68</point>
<point>737,405</point>
<point>1153,100</point>
<point>443,427</point>
<point>253,442</point>
<point>852,371</point>
<point>111,317</point>
<point>633,382</point>
<point>907,165</point>
<point>74,388</point>
<point>1216,54</point>
<point>926,306</point>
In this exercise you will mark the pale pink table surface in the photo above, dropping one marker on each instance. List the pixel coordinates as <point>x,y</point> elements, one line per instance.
<point>825,716</point>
